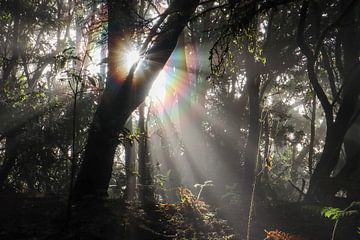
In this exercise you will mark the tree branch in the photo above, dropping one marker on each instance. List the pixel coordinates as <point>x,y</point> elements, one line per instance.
<point>304,47</point>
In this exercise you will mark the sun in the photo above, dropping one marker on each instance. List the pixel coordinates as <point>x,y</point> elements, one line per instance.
<point>157,91</point>
<point>131,56</point>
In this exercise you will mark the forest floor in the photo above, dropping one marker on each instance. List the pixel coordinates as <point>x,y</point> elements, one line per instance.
<point>37,218</point>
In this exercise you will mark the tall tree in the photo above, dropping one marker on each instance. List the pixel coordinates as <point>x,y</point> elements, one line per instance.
<point>123,94</point>
<point>322,185</point>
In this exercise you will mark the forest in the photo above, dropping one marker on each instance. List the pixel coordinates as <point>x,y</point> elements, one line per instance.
<point>180,119</point>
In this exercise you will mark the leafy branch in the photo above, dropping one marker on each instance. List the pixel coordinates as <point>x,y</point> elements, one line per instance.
<point>337,214</point>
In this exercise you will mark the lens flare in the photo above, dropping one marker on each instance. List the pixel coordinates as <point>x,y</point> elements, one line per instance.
<point>157,91</point>
<point>131,56</point>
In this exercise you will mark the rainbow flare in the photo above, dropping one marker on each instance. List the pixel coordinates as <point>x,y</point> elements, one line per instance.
<point>176,81</point>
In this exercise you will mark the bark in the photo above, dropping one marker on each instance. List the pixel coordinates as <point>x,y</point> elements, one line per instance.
<point>267,156</point>
<point>146,186</point>
<point>330,72</point>
<point>312,134</point>
<point>122,95</point>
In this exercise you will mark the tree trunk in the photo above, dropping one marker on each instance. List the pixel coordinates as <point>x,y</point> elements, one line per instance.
<point>252,145</point>
<point>322,186</point>
<point>122,95</point>
<point>146,189</point>
<point>312,134</point>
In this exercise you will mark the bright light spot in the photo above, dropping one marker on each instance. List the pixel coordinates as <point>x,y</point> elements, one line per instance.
<point>131,56</point>
<point>299,147</point>
<point>301,110</point>
<point>157,91</point>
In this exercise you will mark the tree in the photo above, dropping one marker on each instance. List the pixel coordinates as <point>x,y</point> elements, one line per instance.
<point>123,94</point>
<point>322,185</point>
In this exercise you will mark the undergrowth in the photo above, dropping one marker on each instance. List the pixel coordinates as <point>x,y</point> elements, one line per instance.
<point>194,219</point>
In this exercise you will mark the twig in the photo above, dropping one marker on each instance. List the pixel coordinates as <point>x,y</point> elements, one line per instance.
<point>296,188</point>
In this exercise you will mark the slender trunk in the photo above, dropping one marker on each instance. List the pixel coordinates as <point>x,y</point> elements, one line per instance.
<point>267,156</point>
<point>130,165</point>
<point>146,186</point>
<point>330,71</point>
<point>312,134</point>
<point>252,145</point>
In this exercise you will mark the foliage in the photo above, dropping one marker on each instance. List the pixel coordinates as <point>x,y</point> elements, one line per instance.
<point>337,213</point>
<point>194,218</point>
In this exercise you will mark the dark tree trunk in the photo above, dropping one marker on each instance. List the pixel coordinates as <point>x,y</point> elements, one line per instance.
<point>312,134</point>
<point>122,95</point>
<point>267,155</point>
<point>322,186</point>
<point>146,186</point>
<point>252,145</point>
<point>7,111</point>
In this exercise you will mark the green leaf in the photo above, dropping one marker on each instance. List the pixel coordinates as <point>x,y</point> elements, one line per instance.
<point>332,213</point>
